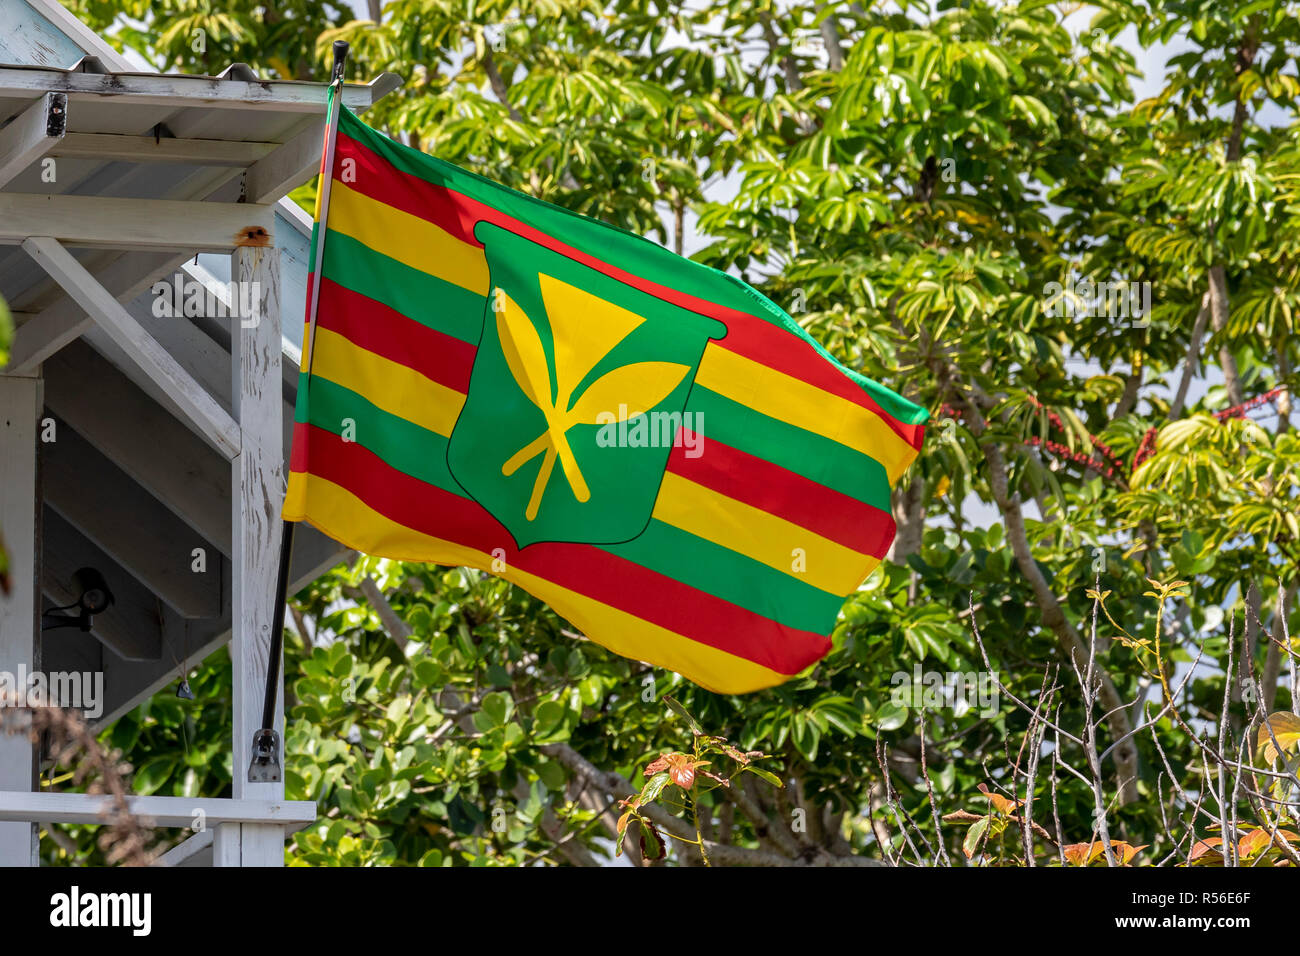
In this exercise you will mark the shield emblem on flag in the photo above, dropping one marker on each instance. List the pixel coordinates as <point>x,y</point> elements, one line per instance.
<point>578,389</point>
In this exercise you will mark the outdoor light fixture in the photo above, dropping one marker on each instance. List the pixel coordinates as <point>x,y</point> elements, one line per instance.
<point>95,598</point>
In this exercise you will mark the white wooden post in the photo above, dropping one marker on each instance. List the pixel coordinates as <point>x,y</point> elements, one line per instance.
<point>21,401</point>
<point>258,494</point>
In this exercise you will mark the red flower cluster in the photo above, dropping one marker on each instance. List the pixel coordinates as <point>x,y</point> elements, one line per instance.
<point>1056,448</point>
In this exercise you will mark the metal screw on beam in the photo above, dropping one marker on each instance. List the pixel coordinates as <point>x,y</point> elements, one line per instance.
<point>56,114</point>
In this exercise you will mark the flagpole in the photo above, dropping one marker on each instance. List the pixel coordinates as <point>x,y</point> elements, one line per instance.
<point>265,766</point>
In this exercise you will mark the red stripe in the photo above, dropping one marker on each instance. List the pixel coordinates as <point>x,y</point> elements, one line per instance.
<point>780,350</point>
<point>588,570</point>
<point>376,177</point>
<point>377,328</point>
<point>778,491</point>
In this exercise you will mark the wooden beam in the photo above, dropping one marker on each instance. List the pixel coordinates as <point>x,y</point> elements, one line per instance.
<point>20,411</point>
<point>133,627</point>
<point>191,852</point>
<point>147,149</point>
<point>179,812</point>
<point>199,350</point>
<point>131,526</point>
<point>202,359</point>
<point>125,274</point>
<point>129,427</point>
<point>174,90</point>
<point>165,225</point>
<point>288,167</point>
<point>258,476</point>
<point>208,418</point>
<point>31,134</point>
<point>65,321</point>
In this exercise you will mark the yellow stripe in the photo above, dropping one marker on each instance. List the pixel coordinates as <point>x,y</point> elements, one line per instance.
<point>771,540</point>
<point>343,516</point>
<point>805,406</point>
<point>409,239</point>
<point>395,388</point>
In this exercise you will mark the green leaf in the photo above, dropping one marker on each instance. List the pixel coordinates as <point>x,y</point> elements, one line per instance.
<point>767,775</point>
<point>974,835</point>
<point>680,711</point>
<point>890,716</point>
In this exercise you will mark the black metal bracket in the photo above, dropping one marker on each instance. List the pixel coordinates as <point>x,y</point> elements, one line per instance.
<point>265,765</point>
<point>56,114</point>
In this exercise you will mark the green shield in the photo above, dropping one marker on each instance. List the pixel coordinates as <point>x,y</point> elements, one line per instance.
<point>578,387</point>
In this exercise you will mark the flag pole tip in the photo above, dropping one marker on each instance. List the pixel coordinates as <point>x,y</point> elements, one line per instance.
<point>340,57</point>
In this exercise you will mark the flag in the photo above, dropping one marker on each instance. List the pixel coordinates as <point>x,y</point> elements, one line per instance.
<point>648,445</point>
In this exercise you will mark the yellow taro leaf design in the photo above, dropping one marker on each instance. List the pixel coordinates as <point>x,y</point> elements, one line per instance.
<point>585,328</point>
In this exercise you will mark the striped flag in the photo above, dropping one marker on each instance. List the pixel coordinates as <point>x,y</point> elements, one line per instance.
<point>646,444</point>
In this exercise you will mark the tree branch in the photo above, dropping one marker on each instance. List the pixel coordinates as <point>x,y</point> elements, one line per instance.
<point>1048,604</point>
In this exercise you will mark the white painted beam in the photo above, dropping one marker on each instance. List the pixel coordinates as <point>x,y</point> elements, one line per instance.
<point>195,851</point>
<point>31,134</point>
<point>208,418</point>
<point>50,329</point>
<point>126,275</point>
<point>148,149</point>
<point>163,812</point>
<point>164,225</point>
<point>288,167</point>
<point>258,481</point>
<point>20,412</point>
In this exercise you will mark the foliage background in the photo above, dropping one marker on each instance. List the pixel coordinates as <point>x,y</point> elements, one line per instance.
<point>908,180</point>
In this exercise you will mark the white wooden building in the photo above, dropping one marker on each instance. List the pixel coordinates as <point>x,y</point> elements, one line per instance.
<point>170,434</point>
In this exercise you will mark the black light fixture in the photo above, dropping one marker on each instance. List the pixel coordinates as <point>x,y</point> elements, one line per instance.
<point>94,598</point>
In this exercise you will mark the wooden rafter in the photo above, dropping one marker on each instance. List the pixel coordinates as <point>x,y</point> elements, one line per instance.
<point>181,812</point>
<point>148,149</point>
<point>205,415</point>
<point>31,135</point>
<point>158,224</point>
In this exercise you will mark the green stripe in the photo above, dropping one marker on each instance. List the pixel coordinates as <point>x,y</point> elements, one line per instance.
<point>732,576</point>
<point>674,553</point>
<point>805,453</point>
<point>405,446</point>
<point>422,297</point>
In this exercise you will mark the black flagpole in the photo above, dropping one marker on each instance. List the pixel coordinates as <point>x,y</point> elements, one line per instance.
<point>265,766</point>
